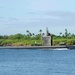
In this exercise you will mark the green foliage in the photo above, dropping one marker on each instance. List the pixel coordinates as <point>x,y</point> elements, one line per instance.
<point>1,37</point>
<point>31,38</point>
<point>16,36</point>
<point>20,39</point>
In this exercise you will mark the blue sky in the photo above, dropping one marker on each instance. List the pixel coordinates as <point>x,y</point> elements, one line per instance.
<point>17,16</point>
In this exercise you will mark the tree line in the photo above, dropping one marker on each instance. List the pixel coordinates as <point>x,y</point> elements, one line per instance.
<point>66,37</point>
<point>20,39</point>
<point>32,38</point>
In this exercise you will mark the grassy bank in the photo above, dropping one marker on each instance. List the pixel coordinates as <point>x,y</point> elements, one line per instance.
<point>68,41</point>
<point>29,42</point>
<point>32,39</point>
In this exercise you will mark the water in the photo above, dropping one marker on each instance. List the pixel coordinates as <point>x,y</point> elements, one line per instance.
<point>37,62</point>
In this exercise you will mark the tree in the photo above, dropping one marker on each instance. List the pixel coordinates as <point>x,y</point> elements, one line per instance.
<point>40,33</point>
<point>30,34</point>
<point>33,34</point>
<point>1,37</point>
<point>43,34</point>
<point>40,30</point>
<point>27,31</point>
<point>66,33</point>
<point>18,36</point>
<point>60,33</point>
<point>37,37</point>
<point>5,37</point>
<point>69,34</point>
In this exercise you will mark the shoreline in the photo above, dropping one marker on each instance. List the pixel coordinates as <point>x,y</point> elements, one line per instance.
<point>36,47</point>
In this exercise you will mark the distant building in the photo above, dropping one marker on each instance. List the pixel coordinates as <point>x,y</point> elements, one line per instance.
<point>47,40</point>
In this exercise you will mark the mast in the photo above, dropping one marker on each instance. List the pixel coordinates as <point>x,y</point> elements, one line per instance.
<point>47,31</point>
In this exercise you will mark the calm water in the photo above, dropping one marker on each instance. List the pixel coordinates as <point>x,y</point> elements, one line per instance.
<point>37,62</point>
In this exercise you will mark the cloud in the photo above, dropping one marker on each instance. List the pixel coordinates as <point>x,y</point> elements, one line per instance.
<point>42,5</point>
<point>13,19</point>
<point>8,21</point>
<point>55,21</point>
<point>48,17</point>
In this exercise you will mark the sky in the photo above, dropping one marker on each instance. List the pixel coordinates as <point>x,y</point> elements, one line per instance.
<point>17,16</point>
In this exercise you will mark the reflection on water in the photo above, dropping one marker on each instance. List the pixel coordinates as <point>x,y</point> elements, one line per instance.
<point>37,62</point>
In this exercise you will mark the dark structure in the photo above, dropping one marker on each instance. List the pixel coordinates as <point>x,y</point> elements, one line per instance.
<point>47,40</point>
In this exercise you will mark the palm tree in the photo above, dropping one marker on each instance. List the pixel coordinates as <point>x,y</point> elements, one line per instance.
<point>60,33</point>
<point>30,34</point>
<point>40,33</point>
<point>40,30</point>
<point>27,31</point>
<point>43,34</point>
<point>33,34</point>
<point>69,34</point>
<point>66,33</point>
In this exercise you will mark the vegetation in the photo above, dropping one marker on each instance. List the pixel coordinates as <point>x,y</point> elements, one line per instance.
<point>20,39</point>
<point>32,39</point>
<point>67,37</point>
